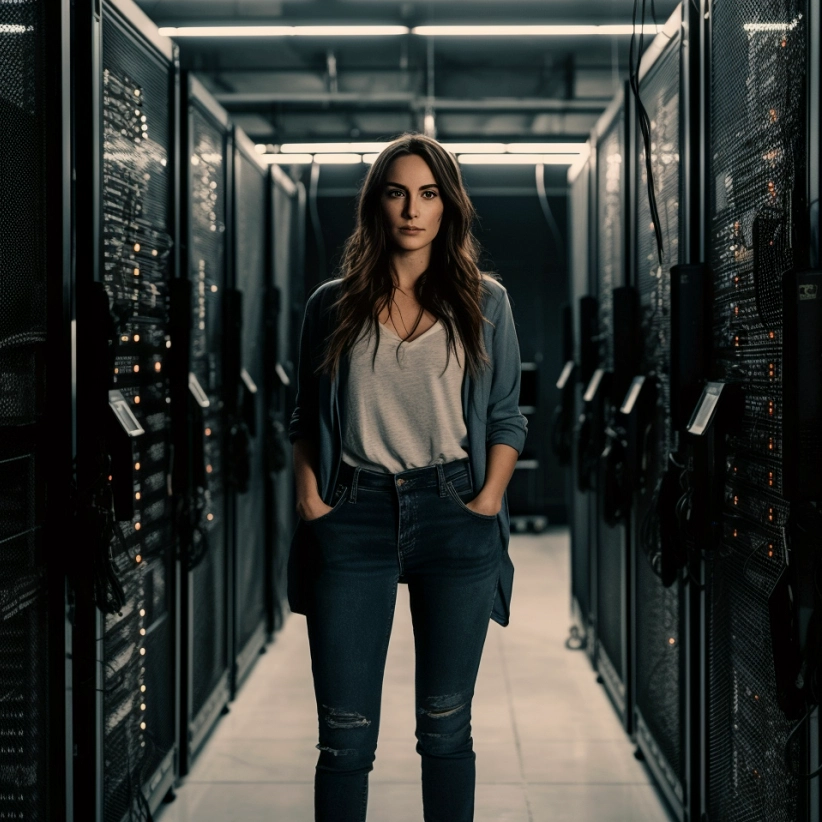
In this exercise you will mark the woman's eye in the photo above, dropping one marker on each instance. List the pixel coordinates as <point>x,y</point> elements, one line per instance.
<point>432,193</point>
<point>394,191</point>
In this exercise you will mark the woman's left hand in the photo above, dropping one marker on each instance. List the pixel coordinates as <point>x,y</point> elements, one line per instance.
<point>485,505</point>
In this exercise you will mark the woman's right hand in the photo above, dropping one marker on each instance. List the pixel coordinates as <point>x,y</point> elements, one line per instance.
<point>312,508</point>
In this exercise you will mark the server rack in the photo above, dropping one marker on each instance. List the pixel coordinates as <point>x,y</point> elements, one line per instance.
<point>756,209</point>
<point>581,513</point>
<point>245,403</point>
<point>612,178</point>
<point>284,255</point>
<point>35,436</point>
<point>204,603</point>
<point>125,641</point>
<point>662,646</point>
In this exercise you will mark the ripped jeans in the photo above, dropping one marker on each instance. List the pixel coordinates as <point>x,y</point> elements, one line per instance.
<point>385,528</point>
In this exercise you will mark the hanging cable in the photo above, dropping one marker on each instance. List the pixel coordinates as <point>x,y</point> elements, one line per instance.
<point>549,215</point>
<point>644,123</point>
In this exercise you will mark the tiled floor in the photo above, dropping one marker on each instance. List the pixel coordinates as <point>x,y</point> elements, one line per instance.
<point>549,745</point>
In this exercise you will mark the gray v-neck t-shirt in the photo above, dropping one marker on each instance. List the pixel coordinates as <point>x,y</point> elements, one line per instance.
<point>405,414</point>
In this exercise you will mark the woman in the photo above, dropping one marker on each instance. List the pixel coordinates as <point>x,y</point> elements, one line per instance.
<point>406,431</point>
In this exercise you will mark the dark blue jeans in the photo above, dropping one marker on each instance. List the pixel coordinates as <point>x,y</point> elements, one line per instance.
<point>412,526</point>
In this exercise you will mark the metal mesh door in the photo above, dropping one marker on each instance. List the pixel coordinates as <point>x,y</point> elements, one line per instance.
<point>660,662</point>
<point>24,650</point>
<point>251,189</point>
<point>581,527</point>
<point>207,255</point>
<point>137,219</point>
<point>758,59</point>
<point>611,591</point>
<point>284,223</point>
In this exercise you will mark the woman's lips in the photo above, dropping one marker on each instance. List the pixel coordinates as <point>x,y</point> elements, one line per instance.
<point>412,230</point>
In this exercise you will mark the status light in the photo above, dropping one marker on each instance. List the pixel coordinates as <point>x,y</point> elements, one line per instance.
<point>142,611</point>
<point>136,338</point>
<point>136,246</point>
<point>136,466</point>
<point>137,495</point>
<point>139,557</point>
<point>137,400</point>
<point>142,631</point>
<point>143,725</point>
<point>142,651</point>
<point>137,527</point>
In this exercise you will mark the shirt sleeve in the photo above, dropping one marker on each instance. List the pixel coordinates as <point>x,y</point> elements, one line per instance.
<point>305,418</point>
<point>505,424</point>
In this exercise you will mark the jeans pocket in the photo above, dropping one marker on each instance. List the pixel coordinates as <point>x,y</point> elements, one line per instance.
<point>338,502</point>
<point>469,494</point>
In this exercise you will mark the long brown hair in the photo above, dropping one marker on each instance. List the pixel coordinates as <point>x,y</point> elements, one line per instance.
<point>451,287</point>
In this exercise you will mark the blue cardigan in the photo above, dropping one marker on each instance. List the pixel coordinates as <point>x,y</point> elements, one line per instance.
<point>490,407</point>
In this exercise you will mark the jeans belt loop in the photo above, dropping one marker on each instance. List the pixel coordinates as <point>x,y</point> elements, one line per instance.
<point>352,494</point>
<point>441,480</point>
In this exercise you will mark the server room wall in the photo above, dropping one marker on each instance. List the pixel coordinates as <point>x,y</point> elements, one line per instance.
<point>531,259</point>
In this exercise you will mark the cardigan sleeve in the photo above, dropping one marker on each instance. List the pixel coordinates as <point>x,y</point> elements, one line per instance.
<point>305,418</point>
<point>505,423</point>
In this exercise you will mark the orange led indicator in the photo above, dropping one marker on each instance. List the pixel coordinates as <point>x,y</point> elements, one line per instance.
<point>158,366</point>
<point>137,527</point>
<point>208,432</point>
<point>142,651</point>
<point>136,369</point>
<point>137,400</point>
<point>137,495</point>
<point>139,557</point>
<point>136,466</point>
<point>142,631</point>
<point>209,517</point>
<point>136,338</point>
<point>770,549</point>
<point>208,469</point>
<point>136,246</point>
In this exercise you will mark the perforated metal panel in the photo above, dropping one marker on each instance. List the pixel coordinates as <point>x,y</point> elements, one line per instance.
<point>284,224</point>
<point>660,648</point>
<point>251,237</point>
<point>24,648</point>
<point>610,228</point>
<point>137,218</point>
<point>582,532</point>
<point>758,63</point>
<point>611,590</point>
<point>208,250</point>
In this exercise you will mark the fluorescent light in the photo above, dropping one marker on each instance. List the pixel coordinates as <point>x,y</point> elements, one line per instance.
<point>545,148</point>
<point>288,159</point>
<point>337,159</point>
<point>331,148</point>
<point>370,159</point>
<point>261,148</point>
<point>283,31</point>
<point>475,148</point>
<point>531,31</point>
<point>771,26</point>
<point>13,28</point>
<point>517,159</point>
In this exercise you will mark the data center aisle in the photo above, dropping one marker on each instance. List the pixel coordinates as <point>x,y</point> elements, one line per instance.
<point>548,743</point>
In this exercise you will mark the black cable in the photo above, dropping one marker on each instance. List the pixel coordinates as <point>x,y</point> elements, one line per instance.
<point>542,194</point>
<point>644,124</point>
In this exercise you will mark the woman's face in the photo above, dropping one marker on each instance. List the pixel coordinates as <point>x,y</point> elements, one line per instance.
<point>411,202</point>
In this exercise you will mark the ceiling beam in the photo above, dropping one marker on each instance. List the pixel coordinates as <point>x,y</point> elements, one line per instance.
<point>253,100</point>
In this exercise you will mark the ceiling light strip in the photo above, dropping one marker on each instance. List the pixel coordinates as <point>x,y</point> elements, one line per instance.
<point>455,148</point>
<point>393,31</point>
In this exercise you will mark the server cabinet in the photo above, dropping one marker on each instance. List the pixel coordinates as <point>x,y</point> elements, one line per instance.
<point>35,436</point>
<point>612,178</point>
<point>279,379</point>
<point>125,683</point>
<point>201,433</point>
<point>245,403</point>
<point>581,514</point>
<point>757,206</point>
<point>661,639</point>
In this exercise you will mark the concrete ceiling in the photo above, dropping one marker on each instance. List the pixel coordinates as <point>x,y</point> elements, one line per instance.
<point>303,89</point>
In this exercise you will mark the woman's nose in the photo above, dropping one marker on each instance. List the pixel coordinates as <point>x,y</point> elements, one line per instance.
<point>411,208</point>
